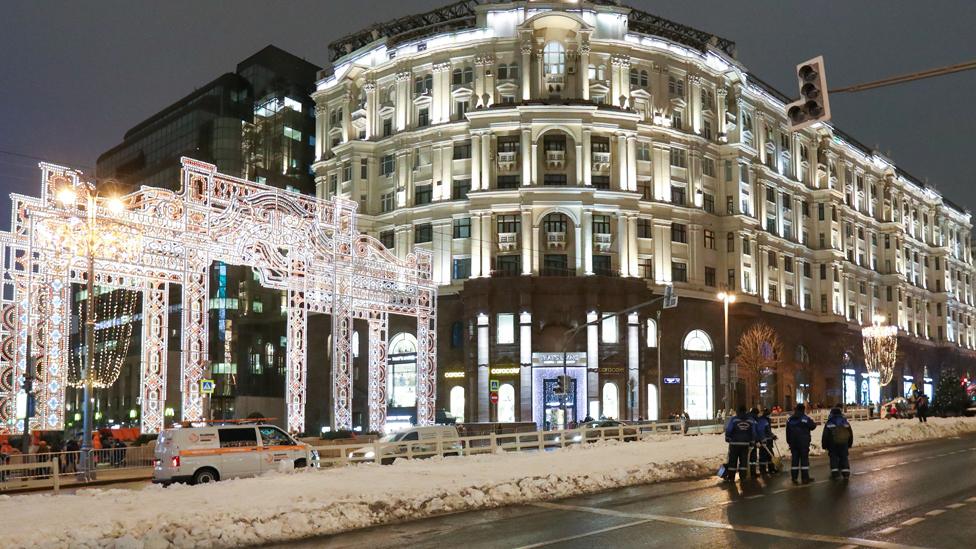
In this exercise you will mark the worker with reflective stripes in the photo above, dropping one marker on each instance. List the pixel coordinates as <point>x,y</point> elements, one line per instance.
<point>740,434</point>
<point>838,438</point>
<point>798,428</point>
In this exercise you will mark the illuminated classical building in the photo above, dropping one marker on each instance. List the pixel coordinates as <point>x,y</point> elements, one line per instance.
<point>565,160</point>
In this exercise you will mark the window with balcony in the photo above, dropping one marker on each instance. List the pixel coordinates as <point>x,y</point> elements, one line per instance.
<point>462,228</point>
<point>423,84</point>
<point>554,58</point>
<point>508,224</point>
<point>423,233</point>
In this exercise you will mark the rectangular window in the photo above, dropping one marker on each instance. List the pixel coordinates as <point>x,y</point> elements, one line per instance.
<point>462,228</point>
<point>709,236</point>
<point>710,276</point>
<point>460,189</point>
<point>679,233</point>
<point>461,107</point>
<point>679,158</point>
<point>292,133</point>
<point>347,172</point>
<point>789,296</point>
<point>507,182</point>
<point>387,127</point>
<point>505,330</point>
<point>601,224</point>
<point>730,279</point>
<point>708,167</point>
<point>363,168</point>
<point>461,268</point>
<point>423,118</point>
<point>788,263</point>
<point>679,272</point>
<point>508,223</point>
<point>806,270</point>
<point>608,327</point>
<point>422,194</point>
<point>387,202</point>
<point>237,437</point>
<point>708,203</point>
<point>645,268</point>
<point>645,190</point>
<point>555,265</point>
<point>601,265</point>
<point>746,246</point>
<point>554,179</point>
<point>387,165</point>
<point>772,259</point>
<point>423,233</point>
<point>644,151</point>
<point>678,195</point>
<point>644,228</point>
<point>462,150</point>
<point>676,120</point>
<point>820,212</point>
<point>388,239</point>
<point>601,182</point>
<point>508,265</point>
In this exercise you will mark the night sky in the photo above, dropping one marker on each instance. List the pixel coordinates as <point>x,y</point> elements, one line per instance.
<point>75,75</point>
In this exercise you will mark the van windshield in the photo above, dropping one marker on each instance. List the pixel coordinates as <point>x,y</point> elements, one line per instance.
<point>393,437</point>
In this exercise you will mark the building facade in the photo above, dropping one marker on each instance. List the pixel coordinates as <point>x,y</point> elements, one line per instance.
<point>257,123</point>
<point>565,160</point>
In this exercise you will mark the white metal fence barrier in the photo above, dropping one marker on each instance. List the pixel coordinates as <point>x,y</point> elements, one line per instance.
<point>24,471</point>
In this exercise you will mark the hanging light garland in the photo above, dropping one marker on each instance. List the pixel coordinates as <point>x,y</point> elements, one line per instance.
<point>113,335</point>
<point>880,349</point>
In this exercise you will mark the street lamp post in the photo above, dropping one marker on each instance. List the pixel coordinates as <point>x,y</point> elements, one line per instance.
<point>726,298</point>
<point>69,198</point>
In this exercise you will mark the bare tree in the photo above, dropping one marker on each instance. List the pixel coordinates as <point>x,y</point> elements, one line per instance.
<point>759,349</point>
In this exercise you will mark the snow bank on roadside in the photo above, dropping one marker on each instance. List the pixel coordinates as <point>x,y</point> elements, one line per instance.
<point>279,507</point>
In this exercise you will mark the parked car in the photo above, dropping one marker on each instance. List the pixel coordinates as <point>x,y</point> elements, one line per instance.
<point>199,455</point>
<point>418,442</point>
<point>606,428</point>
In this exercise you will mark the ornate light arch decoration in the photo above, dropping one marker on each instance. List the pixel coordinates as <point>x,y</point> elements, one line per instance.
<point>307,247</point>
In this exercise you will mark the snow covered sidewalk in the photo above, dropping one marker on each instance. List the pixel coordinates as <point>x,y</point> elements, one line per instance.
<point>280,507</point>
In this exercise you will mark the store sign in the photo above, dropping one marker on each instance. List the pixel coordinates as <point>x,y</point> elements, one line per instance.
<point>672,381</point>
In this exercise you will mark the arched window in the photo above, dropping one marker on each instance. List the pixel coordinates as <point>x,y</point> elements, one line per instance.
<point>428,82</point>
<point>456,76</point>
<point>634,78</point>
<point>555,223</point>
<point>468,75</point>
<point>506,403</point>
<point>513,71</point>
<point>554,58</point>
<point>611,400</point>
<point>269,354</point>
<point>643,79</point>
<point>457,335</point>
<point>457,402</point>
<point>354,344</point>
<point>697,340</point>
<point>652,402</point>
<point>402,374</point>
<point>651,332</point>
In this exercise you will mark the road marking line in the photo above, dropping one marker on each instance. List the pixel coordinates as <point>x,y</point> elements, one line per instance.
<point>935,512</point>
<point>876,469</point>
<point>860,472</point>
<point>775,532</point>
<point>754,496</point>
<point>889,530</point>
<point>586,534</point>
<point>913,521</point>
<point>786,489</point>
<point>955,505</point>
<point>847,547</point>
<point>696,509</point>
<point>971,500</point>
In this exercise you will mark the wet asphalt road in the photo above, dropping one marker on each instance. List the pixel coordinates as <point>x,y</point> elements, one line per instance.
<point>918,495</point>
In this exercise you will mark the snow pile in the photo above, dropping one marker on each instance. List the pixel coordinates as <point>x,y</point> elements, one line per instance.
<point>278,506</point>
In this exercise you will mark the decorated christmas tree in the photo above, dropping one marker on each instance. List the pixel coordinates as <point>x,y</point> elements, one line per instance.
<point>950,394</point>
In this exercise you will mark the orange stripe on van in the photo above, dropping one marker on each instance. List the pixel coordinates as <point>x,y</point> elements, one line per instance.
<point>237,450</point>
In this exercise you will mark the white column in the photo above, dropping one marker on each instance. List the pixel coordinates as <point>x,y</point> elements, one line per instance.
<point>403,104</point>
<point>475,245</point>
<point>579,164</point>
<point>592,362</point>
<point>587,243</point>
<point>527,249</point>
<point>475,162</point>
<point>584,70</point>
<point>486,162</point>
<point>587,158</point>
<point>483,346</point>
<point>321,117</point>
<point>632,244</point>
<point>631,162</point>
<point>526,70</point>
<point>720,94</point>
<point>525,366</point>
<point>621,163</point>
<point>534,163</point>
<point>487,239</point>
<point>623,248</point>
<point>694,103</point>
<point>633,366</point>
<point>527,157</point>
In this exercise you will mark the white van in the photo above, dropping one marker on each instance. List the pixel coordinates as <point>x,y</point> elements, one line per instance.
<point>207,454</point>
<point>414,442</point>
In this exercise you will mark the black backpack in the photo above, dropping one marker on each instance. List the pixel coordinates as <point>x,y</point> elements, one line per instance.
<point>841,434</point>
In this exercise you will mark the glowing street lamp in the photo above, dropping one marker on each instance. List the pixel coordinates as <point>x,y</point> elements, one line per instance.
<point>727,297</point>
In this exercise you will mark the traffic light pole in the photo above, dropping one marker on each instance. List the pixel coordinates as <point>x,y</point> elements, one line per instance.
<point>571,333</point>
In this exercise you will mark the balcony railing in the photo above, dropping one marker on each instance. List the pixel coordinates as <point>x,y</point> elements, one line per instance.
<point>556,240</point>
<point>555,158</point>
<point>601,160</point>
<point>507,242</point>
<point>602,241</point>
<point>507,160</point>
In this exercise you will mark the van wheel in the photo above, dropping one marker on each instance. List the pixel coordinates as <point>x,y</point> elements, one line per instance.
<point>300,463</point>
<point>205,476</point>
<point>387,461</point>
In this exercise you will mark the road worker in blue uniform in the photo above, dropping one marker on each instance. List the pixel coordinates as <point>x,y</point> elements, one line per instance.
<point>838,438</point>
<point>762,452</point>
<point>740,434</point>
<point>798,429</point>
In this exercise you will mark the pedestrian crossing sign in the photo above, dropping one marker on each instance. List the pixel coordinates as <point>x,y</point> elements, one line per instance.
<point>207,386</point>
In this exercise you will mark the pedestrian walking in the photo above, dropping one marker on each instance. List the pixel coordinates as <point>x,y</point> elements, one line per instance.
<point>71,455</point>
<point>922,408</point>
<point>740,434</point>
<point>684,422</point>
<point>798,429</point>
<point>838,438</point>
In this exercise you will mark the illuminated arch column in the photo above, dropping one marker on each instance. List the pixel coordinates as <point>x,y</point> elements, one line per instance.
<point>48,327</point>
<point>426,357</point>
<point>297,368</point>
<point>155,316</point>
<point>195,332</point>
<point>378,332</point>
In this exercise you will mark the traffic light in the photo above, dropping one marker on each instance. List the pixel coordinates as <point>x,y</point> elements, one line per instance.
<point>813,106</point>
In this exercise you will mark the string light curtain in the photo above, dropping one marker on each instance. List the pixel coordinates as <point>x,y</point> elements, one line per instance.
<point>113,334</point>
<point>880,349</point>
